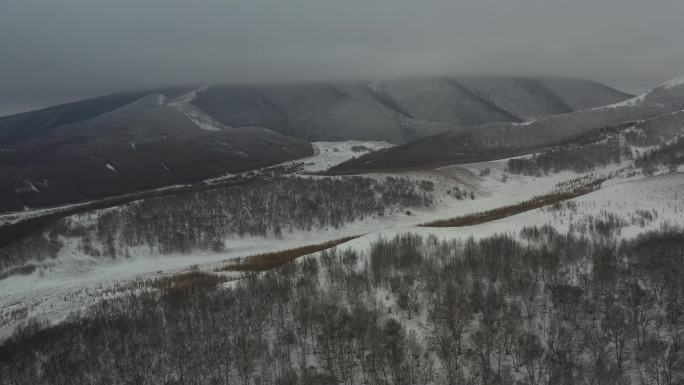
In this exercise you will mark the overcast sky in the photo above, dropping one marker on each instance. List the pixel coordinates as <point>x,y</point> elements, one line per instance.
<point>55,51</point>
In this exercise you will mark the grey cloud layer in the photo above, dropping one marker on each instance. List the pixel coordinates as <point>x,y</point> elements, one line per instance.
<point>126,43</point>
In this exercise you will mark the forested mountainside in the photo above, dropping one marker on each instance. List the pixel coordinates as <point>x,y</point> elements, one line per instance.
<point>17,127</point>
<point>127,151</point>
<point>657,110</point>
<point>551,308</point>
<point>580,158</point>
<point>558,266</point>
<point>130,142</point>
<point>612,150</point>
<point>580,289</point>
<point>203,221</point>
<point>398,111</point>
<point>393,110</point>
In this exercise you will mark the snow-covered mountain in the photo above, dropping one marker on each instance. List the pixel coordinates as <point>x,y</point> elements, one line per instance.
<point>560,263</point>
<point>152,142</point>
<point>398,111</point>
<point>129,142</point>
<point>499,140</point>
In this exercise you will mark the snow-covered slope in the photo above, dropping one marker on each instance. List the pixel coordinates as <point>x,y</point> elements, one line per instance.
<point>501,140</point>
<point>329,154</point>
<point>163,137</point>
<point>73,280</point>
<point>398,111</point>
<point>152,142</point>
<point>674,82</point>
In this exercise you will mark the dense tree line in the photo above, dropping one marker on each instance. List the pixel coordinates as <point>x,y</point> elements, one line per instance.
<point>550,308</point>
<point>579,159</point>
<point>38,246</point>
<point>652,132</point>
<point>203,220</point>
<point>503,140</point>
<point>669,155</point>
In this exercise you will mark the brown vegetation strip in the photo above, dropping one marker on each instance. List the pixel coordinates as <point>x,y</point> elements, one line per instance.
<point>519,208</point>
<point>187,281</point>
<point>268,261</point>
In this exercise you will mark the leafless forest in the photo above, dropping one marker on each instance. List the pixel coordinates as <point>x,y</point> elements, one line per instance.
<point>550,308</point>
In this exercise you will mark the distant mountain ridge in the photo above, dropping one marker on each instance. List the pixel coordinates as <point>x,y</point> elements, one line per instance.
<point>398,111</point>
<point>134,141</point>
<point>500,140</point>
<point>18,126</point>
<point>152,142</point>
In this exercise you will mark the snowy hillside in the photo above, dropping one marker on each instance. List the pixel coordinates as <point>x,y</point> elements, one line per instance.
<point>455,191</point>
<point>626,206</point>
<point>502,140</point>
<point>523,252</point>
<point>153,137</point>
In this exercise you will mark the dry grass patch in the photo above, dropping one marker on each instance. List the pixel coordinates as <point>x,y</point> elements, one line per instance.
<point>183,282</point>
<point>268,261</point>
